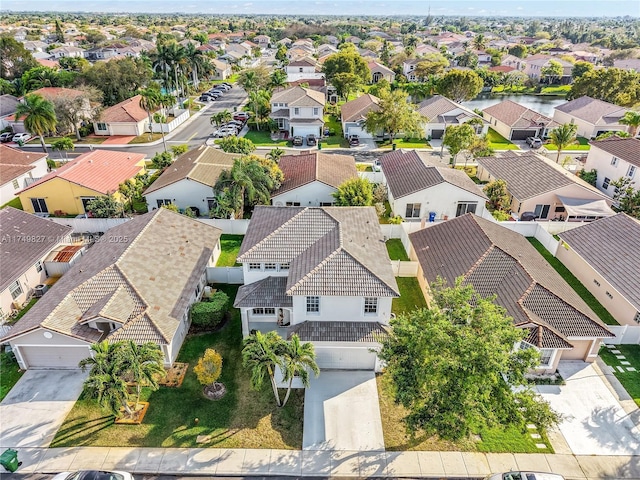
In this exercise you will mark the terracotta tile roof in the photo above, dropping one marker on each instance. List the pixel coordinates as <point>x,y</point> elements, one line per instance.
<point>145,290</point>
<point>407,173</point>
<point>98,170</point>
<point>327,168</point>
<point>498,261</point>
<point>592,110</point>
<point>517,116</point>
<point>378,67</point>
<point>357,109</point>
<point>628,149</point>
<point>611,246</point>
<point>299,97</point>
<point>501,68</point>
<point>53,93</point>
<point>125,112</point>
<point>203,164</point>
<point>66,253</point>
<point>25,239</point>
<point>303,62</point>
<point>361,332</point>
<point>331,250</point>
<point>14,162</point>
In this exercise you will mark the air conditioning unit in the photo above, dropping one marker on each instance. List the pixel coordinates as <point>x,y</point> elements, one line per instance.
<point>39,290</point>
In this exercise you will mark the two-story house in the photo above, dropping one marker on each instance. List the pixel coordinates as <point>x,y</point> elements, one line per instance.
<point>614,158</point>
<point>19,169</point>
<point>323,274</point>
<point>443,112</point>
<point>303,69</point>
<point>298,111</point>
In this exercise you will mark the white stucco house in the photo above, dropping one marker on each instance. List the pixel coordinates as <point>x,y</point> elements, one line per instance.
<point>418,190</point>
<point>614,158</point>
<point>188,182</point>
<point>591,116</point>
<point>27,240</point>
<point>298,111</point>
<point>323,274</point>
<point>67,51</point>
<point>18,169</point>
<point>121,290</point>
<point>310,179</point>
<point>442,112</point>
<point>303,69</point>
<point>515,122</point>
<point>354,113</point>
<point>124,118</point>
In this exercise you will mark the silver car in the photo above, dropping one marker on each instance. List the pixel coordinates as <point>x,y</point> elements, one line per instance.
<point>524,476</point>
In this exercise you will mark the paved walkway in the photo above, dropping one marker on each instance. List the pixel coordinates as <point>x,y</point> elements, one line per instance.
<point>239,462</point>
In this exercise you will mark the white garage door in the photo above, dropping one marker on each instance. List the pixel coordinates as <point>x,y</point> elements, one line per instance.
<point>53,357</point>
<point>361,132</point>
<point>345,358</point>
<point>304,130</point>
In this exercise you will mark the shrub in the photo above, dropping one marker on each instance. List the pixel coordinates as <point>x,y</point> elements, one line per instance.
<point>210,314</point>
<point>209,367</point>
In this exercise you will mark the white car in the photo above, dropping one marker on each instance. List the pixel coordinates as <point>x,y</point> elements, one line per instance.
<point>21,137</point>
<point>93,475</point>
<point>376,165</point>
<point>524,476</point>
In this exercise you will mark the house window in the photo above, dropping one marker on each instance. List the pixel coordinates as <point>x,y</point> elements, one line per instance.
<point>609,295</point>
<point>39,266</point>
<point>296,111</point>
<point>541,211</point>
<point>101,126</point>
<point>39,205</point>
<point>596,282</point>
<point>15,289</point>
<point>315,111</point>
<point>85,202</point>
<point>413,210</point>
<point>546,354</point>
<point>269,266</point>
<point>300,70</point>
<point>466,207</point>
<point>614,161</point>
<point>292,204</point>
<point>16,184</point>
<point>370,305</point>
<point>326,204</point>
<point>284,266</point>
<point>163,201</point>
<point>605,183</point>
<point>632,171</point>
<point>637,317</point>
<point>313,304</point>
<point>254,266</point>
<point>264,311</point>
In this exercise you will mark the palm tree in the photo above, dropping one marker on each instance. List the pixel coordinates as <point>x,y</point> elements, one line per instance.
<point>63,144</point>
<point>275,154</point>
<point>632,119</point>
<point>260,355</point>
<point>161,120</point>
<point>249,81</point>
<point>248,181</point>
<point>278,79</point>
<point>479,42</point>
<point>39,116</point>
<point>221,117</point>
<point>297,359</point>
<point>149,102</point>
<point>563,136</point>
<point>259,104</point>
<point>143,365</point>
<point>194,58</point>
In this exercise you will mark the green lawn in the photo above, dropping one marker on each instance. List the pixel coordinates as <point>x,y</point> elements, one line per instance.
<point>336,139</point>
<point>579,288</point>
<point>406,143</point>
<point>146,138</point>
<point>85,140</point>
<point>556,90</point>
<point>244,418</point>
<point>396,250</point>
<point>582,144</point>
<point>396,438</point>
<point>498,142</point>
<point>10,373</point>
<point>15,203</point>
<point>629,380</point>
<point>230,245</point>
<point>411,297</point>
<point>263,139</point>
<point>364,167</point>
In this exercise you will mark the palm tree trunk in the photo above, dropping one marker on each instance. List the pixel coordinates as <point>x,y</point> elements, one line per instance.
<point>274,386</point>
<point>44,146</point>
<point>558,156</point>
<point>164,143</point>
<point>286,397</point>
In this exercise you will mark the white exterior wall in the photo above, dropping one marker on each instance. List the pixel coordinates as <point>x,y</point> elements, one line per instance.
<point>442,199</point>
<point>28,280</point>
<point>500,127</point>
<point>586,129</point>
<point>123,128</point>
<point>336,309</point>
<point>551,198</point>
<point>251,276</point>
<point>601,161</point>
<point>8,192</point>
<point>309,195</point>
<point>353,128</point>
<point>184,193</point>
<point>37,338</point>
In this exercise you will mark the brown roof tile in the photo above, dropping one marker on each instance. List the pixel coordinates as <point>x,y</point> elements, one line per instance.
<point>330,169</point>
<point>628,149</point>
<point>362,332</point>
<point>357,109</point>
<point>517,116</point>
<point>592,110</point>
<point>125,112</point>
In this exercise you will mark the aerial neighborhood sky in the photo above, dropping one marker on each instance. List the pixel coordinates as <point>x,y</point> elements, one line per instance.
<point>554,8</point>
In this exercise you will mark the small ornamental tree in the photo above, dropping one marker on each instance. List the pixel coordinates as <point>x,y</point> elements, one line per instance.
<point>209,367</point>
<point>162,160</point>
<point>498,195</point>
<point>236,145</point>
<point>356,192</point>
<point>104,206</point>
<point>589,176</point>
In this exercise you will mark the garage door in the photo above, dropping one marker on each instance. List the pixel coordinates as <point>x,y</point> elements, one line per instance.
<point>304,130</point>
<point>522,134</point>
<point>345,358</point>
<point>53,357</point>
<point>437,134</point>
<point>361,132</point>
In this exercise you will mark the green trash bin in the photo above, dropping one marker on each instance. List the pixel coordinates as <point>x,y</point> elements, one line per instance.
<point>9,460</point>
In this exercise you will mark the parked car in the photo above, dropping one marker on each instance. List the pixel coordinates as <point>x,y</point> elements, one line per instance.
<point>21,137</point>
<point>354,141</point>
<point>242,116</point>
<point>206,98</point>
<point>298,141</point>
<point>236,123</point>
<point>93,475</point>
<point>376,165</point>
<point>525,476</point>
<point>6,137</point>
<point>224,132</point>
<point>219,92</point>
<point>311,140</point>
<point>534,142</point>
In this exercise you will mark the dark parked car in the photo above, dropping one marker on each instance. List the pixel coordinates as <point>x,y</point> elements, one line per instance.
<point>311,140</point>
<point>206,98</point>
<point>298,141</point>
<point>6,137</point>
<point>354,141</point>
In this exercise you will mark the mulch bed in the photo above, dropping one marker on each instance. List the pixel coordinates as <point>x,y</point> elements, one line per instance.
<point>175,375</point>
<point>138,415</point>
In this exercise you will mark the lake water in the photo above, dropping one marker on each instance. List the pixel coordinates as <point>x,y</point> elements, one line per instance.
<point>543,104</point>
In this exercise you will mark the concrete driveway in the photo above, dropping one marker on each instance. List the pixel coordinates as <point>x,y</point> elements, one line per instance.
<point>595,422</point>
<point>37,405</point>
<point>341,412</point>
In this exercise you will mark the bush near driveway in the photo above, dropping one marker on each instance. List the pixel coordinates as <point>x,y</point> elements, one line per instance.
<point>244,418</point>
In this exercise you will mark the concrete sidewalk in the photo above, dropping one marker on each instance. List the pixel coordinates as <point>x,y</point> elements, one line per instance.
<point>247,462</point>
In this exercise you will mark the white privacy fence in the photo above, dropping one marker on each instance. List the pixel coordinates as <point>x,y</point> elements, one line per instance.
<point>233,275</point>
<point>404,269</point>
<point>624,335</point>
<point>181,115</point>
<point>230,227</point>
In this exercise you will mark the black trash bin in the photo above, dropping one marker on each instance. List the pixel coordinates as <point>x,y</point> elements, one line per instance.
<point>9,460</point>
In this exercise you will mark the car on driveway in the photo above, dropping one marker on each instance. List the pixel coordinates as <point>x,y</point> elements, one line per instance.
<point>354,141</point>
<point>298,141</point>
<point>21,137</point>
<point>376,165</point>
<point>224,132</point>
<point>524,476</point>
<point>311,140</point>
<point>534,142</point>
<point>206,98</point>
<point>6,137</point>
<point>93,475</point>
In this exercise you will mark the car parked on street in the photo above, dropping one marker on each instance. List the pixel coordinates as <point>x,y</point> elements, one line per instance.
<point>525,476</point>
<point>242,116</point>
<point>93,475</point>
<point>206,98</point>
<point>298,141</point>
<point>6,137</point>
<point>354,141</point>
<point>21,137</point>
<point>311,140</point>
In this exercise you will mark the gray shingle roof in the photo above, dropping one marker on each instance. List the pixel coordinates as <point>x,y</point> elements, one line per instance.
<point>436,108</point>
<point>498,261</point>
<point>592,110</point>
<point>364,332</point>
<point>612,247</point>
<point>268,292</point>
<point>330,249</point>
<point>156,283</point>
<point>25,239</point>
<point>299,97</point>
<point>407,173</point>
<point>358,108</point>
<point>628,149</point>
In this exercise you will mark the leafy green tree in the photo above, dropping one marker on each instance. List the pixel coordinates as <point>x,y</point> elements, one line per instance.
<point>612,133</point>
<point>430,65</point>
<point>59,32</point>
<point>552,71</point>
<point>74,64</point>
<point>467,59</point>
<point>580,68</point>
<point>432,357</point>
<point>142,365</point>
<point>74,109</point>
<point>209,367</point>
<point>563,136</point>
<point>233,144</point>
<point>458,138</point>
<point>104,206</point>
<point>297,359</point>
<point>40,77</point>
<point>632,119</point>
<point>278,79</point>
<point>460,85</point>
<point>348,68</point>
<point>626,198</point>
<point>63,144</point>
<point>396,114</point>
<point>589,176</point>
<point>259,104</point>
<point>498,195</point>
<point>519,51</point>
<point>162,160</point>
<point>39,116</point>
<point>6,87</point>
<point>281,55</point>
<point>355,192</point>
<point>178,150</point>
<point>259,354</point>
<point>253,79</point>
<point>118,78</point>
<point>131,189</point>
<point>14,58</point>
<point>614,85</point>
